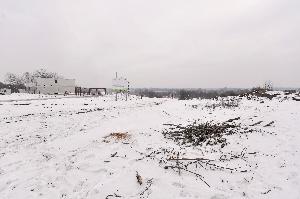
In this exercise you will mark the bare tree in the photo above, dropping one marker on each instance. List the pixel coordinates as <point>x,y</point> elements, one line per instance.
<point>13,79</point>
<point>268,85</point>
<point>27,77</point>
<point>43,73</point>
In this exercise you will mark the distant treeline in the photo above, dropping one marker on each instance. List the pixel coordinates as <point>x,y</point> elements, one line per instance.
<point>184,94</point>
<point>14,87</point>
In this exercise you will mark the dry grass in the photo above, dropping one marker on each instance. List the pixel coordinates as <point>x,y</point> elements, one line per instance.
<point>117,136</point>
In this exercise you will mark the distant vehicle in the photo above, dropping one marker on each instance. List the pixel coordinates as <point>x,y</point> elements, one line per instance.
<point>5,91</point>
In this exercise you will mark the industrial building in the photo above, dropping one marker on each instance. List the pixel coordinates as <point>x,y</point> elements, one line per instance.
<point>51,86</point>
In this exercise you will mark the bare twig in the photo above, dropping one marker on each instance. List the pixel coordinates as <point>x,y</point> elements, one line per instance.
<point>149,184</point>
<point>196,174</point>
<point>139,178</point>
<point>257,123</point>
<point>113,155</point>
<point>269,124</point>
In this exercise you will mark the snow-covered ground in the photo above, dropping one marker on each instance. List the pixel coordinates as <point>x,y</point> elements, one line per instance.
<point>59,148</point>
<point>29,97</point>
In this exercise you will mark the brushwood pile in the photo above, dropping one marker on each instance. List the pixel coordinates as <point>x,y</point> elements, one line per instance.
<point>207,133</point>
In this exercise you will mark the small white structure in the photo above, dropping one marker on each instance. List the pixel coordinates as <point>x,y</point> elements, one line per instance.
<point>52,86</point>
<point>5,91</point>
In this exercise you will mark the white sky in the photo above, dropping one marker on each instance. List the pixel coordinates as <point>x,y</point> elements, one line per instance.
<point>157,43</point>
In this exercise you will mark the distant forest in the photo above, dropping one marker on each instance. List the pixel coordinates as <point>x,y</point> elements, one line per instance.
<point>184,94</point>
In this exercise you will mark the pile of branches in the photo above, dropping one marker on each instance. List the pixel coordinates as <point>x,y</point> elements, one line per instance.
<point>296,99</point>
<point>259,92</point>
<point>224,103</point>
<point>198,134</point>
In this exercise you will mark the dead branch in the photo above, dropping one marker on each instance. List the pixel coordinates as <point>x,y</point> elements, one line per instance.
<point>139,178</point>
<point>257,123</point>
<point>196,174</point>
<point>269,124</point>
<point>113,155</point>
<point>149,184</point>
<point>231,120</point>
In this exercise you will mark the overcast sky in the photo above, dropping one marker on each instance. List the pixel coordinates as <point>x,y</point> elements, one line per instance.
<point>154,43</point>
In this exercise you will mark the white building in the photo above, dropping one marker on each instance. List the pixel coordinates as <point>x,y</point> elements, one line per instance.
<point>52,86</point>
<point>5,91</point>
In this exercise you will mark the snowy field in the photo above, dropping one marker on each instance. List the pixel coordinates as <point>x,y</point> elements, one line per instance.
<point>63,148</point>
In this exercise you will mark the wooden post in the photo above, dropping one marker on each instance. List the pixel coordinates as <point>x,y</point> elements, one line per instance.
<point>127,94</point>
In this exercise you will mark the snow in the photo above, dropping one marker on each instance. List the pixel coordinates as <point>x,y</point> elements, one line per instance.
<point>60,148</point>
<point>29,97</point>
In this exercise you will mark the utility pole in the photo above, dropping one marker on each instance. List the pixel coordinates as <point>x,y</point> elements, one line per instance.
<point>128,90</point>
<point>116,89</point>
